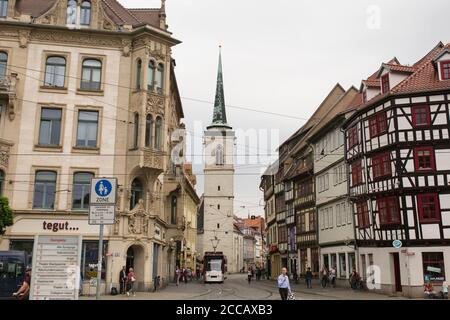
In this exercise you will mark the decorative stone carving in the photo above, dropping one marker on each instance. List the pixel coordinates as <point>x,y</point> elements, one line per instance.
<point>153,160</point>
<point>24,38</point>
<point>138,220</point>
<point>77,38</point>
<point>8,86</point>
<point>155,103</point>
<point>126,50</point>
<point>5,148</point>
<point>116,225</point>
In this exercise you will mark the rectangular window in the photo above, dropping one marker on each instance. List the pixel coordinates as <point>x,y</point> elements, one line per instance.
<point>50,127</point>
<point>338,215</point>
<point>433,266</point>
<point>381,165</point>
<point>388,211</point>
<point>3,8</point>
<point>81,190</point>
<point>445,70</point>
<point>87,129</point>
<point>424,159</point>
<point>421,116</point>
<point>44,190</point>
<point>385,86</point>
<point>89,260</point>
<point>378,124</point>
<point>357,178</point>
<point>429,210</point>
<point>352,137</point>
<point>312,221</point>
<point>362,213</point>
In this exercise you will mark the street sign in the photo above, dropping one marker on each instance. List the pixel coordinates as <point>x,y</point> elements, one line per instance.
<point>56,268</point>
<point>397,244</point>
<point>101,214</point>
<point>103,191</point>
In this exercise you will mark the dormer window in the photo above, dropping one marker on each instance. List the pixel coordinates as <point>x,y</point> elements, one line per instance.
<point>445,70</point>
<point>78,14</point>
<point>385,86</point>
<point>3,8</point>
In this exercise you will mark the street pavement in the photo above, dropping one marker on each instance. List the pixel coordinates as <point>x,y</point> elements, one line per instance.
<point>236,287</point>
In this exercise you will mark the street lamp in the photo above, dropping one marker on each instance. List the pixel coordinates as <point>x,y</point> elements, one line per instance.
<point>215,243</point>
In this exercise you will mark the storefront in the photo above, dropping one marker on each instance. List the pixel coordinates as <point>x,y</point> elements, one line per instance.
<point>140,251</point>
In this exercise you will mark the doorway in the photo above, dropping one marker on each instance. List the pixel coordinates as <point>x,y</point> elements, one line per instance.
<point>397,276</point>
<point>136,260</point>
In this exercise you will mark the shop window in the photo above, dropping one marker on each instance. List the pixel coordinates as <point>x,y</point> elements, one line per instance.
<point>433,266</point>
<point>23,245</point>
<point>342,266</point>
<point>89,260</point>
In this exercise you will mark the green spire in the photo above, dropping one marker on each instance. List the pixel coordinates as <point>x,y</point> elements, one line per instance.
<point>219,114</point>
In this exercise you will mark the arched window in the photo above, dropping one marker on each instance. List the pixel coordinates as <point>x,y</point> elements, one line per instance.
<point>3,63</point>
<point>219,155</point>
<point>160,78</point>
<point>2,182</point>
<point>44,190</point>
<point>81,190</point>
<point>55,72</point>
<point>136,131</point>
<point>91,75</point>
<point>138,73</point>
<point>148,131</point>
<point>136,193</point>
<point>3,8</point>
<point>158,133</point>
<point>150,75</point>
<point>85,13</point>
<point>173,209</point>
<point>71,12</point>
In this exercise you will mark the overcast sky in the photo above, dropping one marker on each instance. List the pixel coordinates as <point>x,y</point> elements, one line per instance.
<point>284,56</point>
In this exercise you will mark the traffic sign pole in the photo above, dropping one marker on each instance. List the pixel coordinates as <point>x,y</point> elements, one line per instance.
<point>100,258</point>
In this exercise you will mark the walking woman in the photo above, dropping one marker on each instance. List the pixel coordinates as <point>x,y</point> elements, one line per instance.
<point>249,275</point>
<point>283,284</point>
<point>324,275</point>
<point>131,279</point>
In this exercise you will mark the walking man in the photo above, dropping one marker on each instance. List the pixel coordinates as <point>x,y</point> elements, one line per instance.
<point>123,279</point>
<point>177,275</point>
<point>324,275</point>
<point>308,277</point>
<point>283,284</point>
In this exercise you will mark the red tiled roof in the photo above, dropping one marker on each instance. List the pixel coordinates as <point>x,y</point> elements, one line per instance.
<point>399,68</point>
<point>119,14</point>
<point>372,83</point>
<point>426,77</point>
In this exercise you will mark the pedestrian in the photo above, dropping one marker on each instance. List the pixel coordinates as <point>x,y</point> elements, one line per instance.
<point>24,291</point>
<point>123,280</point>
<point>308,277</point>
<point>355,280</point>
<point>80,289</point>
<point>283,284</point>
<point>249,276</point>
<point>324,275</point>
<point>156,283</point>
<point>258,273</point>
<point>429,290</point>
<point>185,275</point>
<point>131,279</point>
<point>197,273</point>
<point>177,276</point>
<point>295,276</point>
<point>333,276</point>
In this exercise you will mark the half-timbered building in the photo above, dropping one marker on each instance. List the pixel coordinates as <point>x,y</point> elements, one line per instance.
<point>397,147</point>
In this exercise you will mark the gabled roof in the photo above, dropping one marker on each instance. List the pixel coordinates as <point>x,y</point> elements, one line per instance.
<point>115,11</point>
<point>395,68</point>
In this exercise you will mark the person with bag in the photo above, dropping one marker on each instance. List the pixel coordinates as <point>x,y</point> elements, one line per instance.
<point>24,291</point>
<point>131,279</point>
<point>283,285</point>
<point>333,276</point>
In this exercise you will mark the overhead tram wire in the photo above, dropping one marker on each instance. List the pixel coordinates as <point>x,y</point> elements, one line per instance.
<point>184,98</point>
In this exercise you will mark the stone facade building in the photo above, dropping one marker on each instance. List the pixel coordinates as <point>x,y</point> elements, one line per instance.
<point>101,99</point>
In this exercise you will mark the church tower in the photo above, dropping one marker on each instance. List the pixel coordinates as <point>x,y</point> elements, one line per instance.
<point>219,139</point>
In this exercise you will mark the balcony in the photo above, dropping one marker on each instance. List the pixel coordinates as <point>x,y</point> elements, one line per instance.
<point>8,89</point>
<point>151,101</point>
<point>152,159</point>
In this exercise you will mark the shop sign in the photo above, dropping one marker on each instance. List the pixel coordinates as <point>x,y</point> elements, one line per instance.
<point>56,268</point>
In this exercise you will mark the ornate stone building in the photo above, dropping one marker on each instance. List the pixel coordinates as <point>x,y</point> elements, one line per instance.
<point>101,99</point>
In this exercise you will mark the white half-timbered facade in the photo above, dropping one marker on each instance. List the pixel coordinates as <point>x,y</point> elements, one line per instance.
<point>398,152</point>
